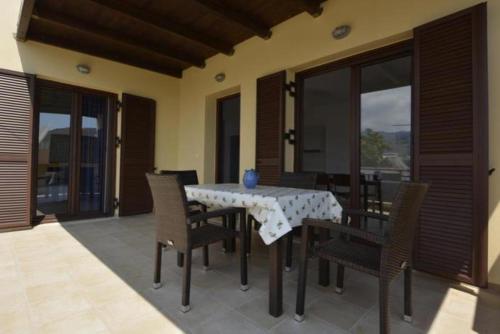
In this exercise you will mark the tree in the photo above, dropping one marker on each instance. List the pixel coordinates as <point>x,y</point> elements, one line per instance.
<point>373,147</point>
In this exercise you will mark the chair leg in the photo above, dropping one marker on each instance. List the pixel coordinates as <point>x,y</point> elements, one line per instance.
<point>243,254</point>
<point>312,239</point>
<point>383,306</point>
<point>301,286</point>
<point>205,258</point>
<point>157,278</point>
<point>204,210</point>
<point>249,234</point>
<point>340,279</point>
<point>289,250</point>
<point>224,242</point>
<point>408,309</point>
<point>186,282</point>
<point>180,259</point>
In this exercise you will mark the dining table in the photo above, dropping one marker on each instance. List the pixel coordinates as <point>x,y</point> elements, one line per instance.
<point>278,210</point>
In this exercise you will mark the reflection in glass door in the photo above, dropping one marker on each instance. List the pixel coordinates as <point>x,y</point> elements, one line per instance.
<point>326,122</point>
<point>385,134</point>
<point>54,150</point>
<point>326,134</point>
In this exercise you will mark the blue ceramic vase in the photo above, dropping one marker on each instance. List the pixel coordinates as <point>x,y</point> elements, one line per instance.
<point>250,178</point>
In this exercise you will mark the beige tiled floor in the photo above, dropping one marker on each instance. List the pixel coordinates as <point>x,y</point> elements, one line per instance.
<point>95,277</point>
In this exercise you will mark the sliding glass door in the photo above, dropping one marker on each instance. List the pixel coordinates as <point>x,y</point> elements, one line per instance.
<point>325,126</point>
<point>326,123</point>
<point>55,118</point>
<point>354,124</point>
<point>75,128</point>
<point>92,152</point>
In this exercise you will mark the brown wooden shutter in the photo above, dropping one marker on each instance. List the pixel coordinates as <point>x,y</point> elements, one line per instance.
<point>16,115</point>
<point>270,127</point>
<point>451,145</point>
<point>137,155</point>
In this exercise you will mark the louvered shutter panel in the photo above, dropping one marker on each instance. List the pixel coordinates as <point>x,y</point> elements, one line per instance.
<point>16,110</point>
<point>270,127</point>
<point>451,145</point>
<point>137,154</point>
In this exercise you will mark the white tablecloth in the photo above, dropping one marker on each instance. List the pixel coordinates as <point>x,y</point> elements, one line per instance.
<point>278,209</point>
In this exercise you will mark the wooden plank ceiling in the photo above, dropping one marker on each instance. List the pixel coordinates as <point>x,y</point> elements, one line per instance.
<point>165,36</point>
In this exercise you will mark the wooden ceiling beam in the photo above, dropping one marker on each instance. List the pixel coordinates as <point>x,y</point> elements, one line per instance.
<point>24,19</point>
<point>114,56</point>
<point>114,36</point>
<point>165,24</point>
<point>252,24</point>
<point>313,7</point>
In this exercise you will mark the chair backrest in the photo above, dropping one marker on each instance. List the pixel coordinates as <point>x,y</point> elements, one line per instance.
<point>403,220</point>
<point>344,180</point>
<point>170,209</point>
<point>299,180</point>
<point>341,180</point>
<point>188,177</point>
<point>323,181</point>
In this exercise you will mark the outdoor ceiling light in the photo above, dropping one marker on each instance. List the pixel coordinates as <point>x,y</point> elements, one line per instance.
<point>83,69</point>
<point>341,31</point>
<point>219,77</point>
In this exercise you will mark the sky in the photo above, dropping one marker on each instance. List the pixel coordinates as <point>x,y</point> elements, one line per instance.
<point>387,109</point>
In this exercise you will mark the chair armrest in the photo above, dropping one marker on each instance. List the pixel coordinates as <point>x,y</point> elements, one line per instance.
<point>355,232</point>
<point>214,214</point>
<point>353,212</point>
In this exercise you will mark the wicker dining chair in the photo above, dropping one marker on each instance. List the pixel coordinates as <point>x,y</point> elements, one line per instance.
<point>288,180</point>
<point>189,177</point>
<point>381,256</point>
<point>176,227</point>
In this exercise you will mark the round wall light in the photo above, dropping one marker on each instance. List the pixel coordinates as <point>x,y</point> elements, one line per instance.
<point>83,69</point>
<point>341,31</point>
<point>219,77</point>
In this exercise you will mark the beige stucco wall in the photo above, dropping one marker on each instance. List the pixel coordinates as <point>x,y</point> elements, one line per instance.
<point>303,41</point>
<point>57,64</point>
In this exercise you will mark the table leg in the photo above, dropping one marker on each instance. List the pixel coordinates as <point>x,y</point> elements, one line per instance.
<point>276,278</point>
<point>324,265</point>
<point>224,243</point>
<point>232,242</point>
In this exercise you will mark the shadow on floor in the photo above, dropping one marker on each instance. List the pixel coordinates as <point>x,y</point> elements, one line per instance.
<point>126,246</point>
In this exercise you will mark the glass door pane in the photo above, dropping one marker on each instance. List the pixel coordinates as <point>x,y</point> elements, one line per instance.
<point>54,150</point>
<point>326,127</point>
<point>92,153</point>
<point>385,131</point>
<point>228,164</point>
